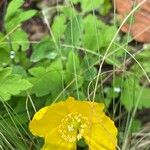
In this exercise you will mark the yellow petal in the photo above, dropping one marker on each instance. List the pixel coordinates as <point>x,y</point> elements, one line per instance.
<point>102,135</point>
<point>99,135</point>
<point>53,141</point>
<point>86,108</point>
<point>47,118</point>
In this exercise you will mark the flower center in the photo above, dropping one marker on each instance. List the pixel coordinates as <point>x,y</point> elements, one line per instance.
<point>72,127</point>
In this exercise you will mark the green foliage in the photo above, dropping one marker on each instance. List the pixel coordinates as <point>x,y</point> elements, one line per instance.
<point>16,15</point>
<point>98,30</point>
<point>105,7</point>
<point>87,5</point>
<point>59,26</point>
<point>74,31</point>
<point>143,59</point>
<point>92,31</point>
<point>11,84</point>
<point>19,38</point>
<point>46,80</point>
<point>14,38</point>
<point>44,49</point>
<point>134,95</point>
<point>73,71</point>
<point>136,125</point>
<point>5,57</point>
<point>13,7</point>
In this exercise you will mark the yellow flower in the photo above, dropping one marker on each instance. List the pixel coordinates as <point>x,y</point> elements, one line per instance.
<point>63,124</point>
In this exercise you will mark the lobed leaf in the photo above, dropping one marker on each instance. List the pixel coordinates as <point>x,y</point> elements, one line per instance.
<point>11,84</point>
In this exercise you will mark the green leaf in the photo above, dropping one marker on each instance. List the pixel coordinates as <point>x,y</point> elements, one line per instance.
<point>69,12</point>
<point>4,53</point>
<point>25,15</point>
<point>4,57</point>
<point>59,26</point>
<point>105,7</point>
<point>19,38</point>
<point>73,71</point>
<point>92,38</point>
<point>97,34</point>
<point>73,63</point>
<point>44,49</point>
<point>37,71</point>
<point>13,7</point>
<point>16,69</point>
<point>108,33</point>
<point>74,31</point>
<point>5,72</point>
<point>135,95</point>
<point>88,5</point>
<point>115,57</point>
<point>143,59</point>
<point>47,80</point>
<point>16,15</point>
<point>19,18</point>
<point>89,72</point>
<point>11,84</point>
<point>136,125</point>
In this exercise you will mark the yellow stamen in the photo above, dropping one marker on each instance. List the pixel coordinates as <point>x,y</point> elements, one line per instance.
<point>72,127</point>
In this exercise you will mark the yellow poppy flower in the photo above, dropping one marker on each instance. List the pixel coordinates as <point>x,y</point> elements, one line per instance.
<point>63,124</point>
